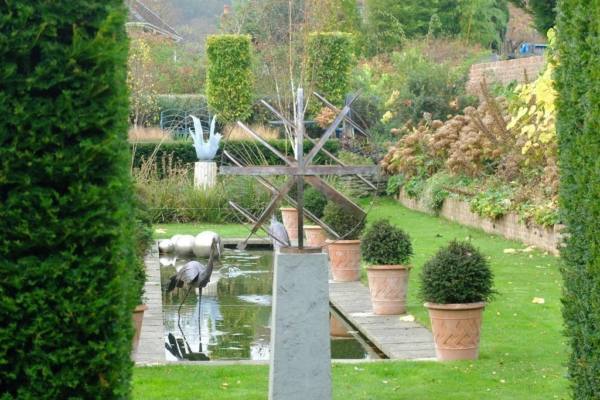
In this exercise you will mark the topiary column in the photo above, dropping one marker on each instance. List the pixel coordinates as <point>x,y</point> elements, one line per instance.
<point>578,128</point>
<point>66,257</point>
<point>229,76</point>
<point>329,64</point>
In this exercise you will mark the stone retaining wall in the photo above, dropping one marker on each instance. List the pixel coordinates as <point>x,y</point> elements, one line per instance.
<point>508,226</point>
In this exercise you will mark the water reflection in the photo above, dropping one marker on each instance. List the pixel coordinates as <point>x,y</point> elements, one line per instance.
<point>235,314</point>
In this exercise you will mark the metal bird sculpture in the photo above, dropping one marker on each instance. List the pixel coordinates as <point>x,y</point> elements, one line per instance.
<point>194,275</point>
<point>279,235</point>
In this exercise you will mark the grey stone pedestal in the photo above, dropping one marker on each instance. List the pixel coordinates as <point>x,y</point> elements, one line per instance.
<point>300,349</point>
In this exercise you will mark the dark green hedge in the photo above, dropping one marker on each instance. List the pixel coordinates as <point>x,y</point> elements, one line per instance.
<point>578,127</point>
<point>229,76</point>
<point>329,64</point>
<point>183,151</point>
<point>66,253</point>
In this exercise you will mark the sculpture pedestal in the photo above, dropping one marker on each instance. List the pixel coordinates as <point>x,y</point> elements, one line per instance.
<point>205,174</point>
<point>300,367</point>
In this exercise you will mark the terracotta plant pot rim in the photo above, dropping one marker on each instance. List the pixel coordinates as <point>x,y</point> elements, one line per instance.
<point>388,267</point>
<point>334,242</point>
<point>312,227</point>
<point>456,306</point>
<point>287,209</point>
<point>141,308</point>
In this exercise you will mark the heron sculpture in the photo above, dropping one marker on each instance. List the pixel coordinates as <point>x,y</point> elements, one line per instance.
<point>194,275</point>
<point>278,233</point>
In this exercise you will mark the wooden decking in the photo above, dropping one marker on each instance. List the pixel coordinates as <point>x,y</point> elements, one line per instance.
<point>397,339</point>
<point>151,349</point>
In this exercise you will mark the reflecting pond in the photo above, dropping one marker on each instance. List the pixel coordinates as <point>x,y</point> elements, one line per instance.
<point>233,319</point>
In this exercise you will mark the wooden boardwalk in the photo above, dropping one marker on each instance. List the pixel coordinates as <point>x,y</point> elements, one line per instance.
<point>151,349</point>
<point>397,339</point>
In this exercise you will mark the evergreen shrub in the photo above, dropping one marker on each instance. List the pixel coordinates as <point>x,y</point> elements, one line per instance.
<point>183,152</point>
<point>229,77</point>
<point>385,244</point>
<point>578,128</point>
<point>67,255</point>
<point>458,273</point>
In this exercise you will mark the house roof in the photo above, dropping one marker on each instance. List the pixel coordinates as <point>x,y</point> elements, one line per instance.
<point>142,16</point>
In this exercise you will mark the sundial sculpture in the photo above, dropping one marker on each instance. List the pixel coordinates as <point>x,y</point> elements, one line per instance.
<point>300,366</point>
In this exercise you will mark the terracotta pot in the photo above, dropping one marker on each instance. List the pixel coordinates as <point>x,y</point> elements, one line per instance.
<point>456,329</point>
<point>138,318</point>
<point>315,236</point>
<point>388,285</point>
<point>289,216</point>
<point>337,327</point>
<point>344,258</point>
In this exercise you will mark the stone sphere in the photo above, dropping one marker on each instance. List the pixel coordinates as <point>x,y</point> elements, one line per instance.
<point>203,241</point>
<point>174,239</point>
<point>166,246</point>
<point>184,245</point>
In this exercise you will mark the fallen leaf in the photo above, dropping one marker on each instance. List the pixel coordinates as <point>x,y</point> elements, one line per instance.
<point>538,300</point>
<point>407,318</point>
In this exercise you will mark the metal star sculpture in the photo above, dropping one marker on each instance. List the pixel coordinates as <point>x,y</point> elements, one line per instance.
<point>300,170</point>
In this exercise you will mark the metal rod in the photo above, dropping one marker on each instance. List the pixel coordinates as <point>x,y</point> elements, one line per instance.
<point>299,160</point>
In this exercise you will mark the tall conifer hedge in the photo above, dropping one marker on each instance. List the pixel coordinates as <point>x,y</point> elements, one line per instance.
<point>330,57</point>
<point>578,126</point>
<point>66,257</point>
<point>229,76</point>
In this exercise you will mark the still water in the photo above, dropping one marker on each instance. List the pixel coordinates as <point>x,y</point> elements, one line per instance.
<point>234,317</point>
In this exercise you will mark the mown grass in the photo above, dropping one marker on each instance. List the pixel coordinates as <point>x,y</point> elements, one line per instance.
<point>523,352</point>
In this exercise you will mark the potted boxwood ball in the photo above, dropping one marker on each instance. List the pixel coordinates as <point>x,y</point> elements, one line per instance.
<point>344,255</point>
<point>387,249</point>
<point>456,284</point>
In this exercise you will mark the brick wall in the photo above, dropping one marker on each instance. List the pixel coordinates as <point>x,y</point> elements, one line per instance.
<point>520,70</point>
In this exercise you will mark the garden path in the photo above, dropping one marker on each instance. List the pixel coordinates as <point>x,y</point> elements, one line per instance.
<point>396,338</point>
<point>151,349</point>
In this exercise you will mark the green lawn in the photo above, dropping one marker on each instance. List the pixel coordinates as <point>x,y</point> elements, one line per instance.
<point>522,353</point>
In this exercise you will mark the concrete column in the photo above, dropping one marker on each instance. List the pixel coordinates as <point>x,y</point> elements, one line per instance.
<point>300,367</point>
<point>205,174</point>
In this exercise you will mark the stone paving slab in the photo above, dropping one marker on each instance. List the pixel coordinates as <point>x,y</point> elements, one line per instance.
<point>397,339</point>
<point>151,349</point>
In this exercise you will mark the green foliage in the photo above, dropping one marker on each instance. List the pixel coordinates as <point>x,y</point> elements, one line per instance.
<point>483,21</point>
<point>578,127</point>
<point>67,289</point>
<point>389,22</point>
<point>182,152</point>
<point>385,244</point>
<point>414,187</point>
<point>329,64</point>
<point>343,222</point>
<point>544,14</point>
<point>184,103</point>
<point>314,201</point>
<point>421,85</point>
<point>491,203</point>
<point>435,191</point>
<point>229,76</point>
<point>394,184</point>
<point>458,273</point>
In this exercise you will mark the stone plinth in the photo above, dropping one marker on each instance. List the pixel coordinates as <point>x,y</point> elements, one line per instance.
<point>205,174</point>
<point>300,348</point>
